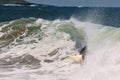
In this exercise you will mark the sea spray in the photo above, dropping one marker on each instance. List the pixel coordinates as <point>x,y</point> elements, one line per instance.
<point>53,42</point>
<point>102,60</point>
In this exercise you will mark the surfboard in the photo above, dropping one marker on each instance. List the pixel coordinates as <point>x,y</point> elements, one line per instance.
<point>76,58</point>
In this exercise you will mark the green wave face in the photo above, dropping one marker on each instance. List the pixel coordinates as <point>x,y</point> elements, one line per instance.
<point>111,33</point>
<point>103,34</point>
<point>31,30</point>
<point>77,35</point>
<point>17,30</point>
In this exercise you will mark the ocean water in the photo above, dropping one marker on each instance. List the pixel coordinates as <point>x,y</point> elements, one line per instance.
<point>35,42</point>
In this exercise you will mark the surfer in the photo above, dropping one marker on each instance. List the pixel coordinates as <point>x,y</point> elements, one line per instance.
<point>81,56</point>
<point>83,52</point>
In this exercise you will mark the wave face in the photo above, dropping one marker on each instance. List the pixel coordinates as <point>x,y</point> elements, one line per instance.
<point>33,48</point>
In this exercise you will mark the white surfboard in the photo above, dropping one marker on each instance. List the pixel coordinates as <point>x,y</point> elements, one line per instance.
<point>76,58</point>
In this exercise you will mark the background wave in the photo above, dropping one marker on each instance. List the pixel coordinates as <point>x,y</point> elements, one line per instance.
<point>104,16</point>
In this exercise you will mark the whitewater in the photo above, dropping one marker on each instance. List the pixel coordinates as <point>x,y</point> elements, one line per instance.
<point>39,50</point>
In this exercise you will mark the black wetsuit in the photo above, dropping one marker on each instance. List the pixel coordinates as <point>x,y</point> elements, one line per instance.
<point>83,52</point>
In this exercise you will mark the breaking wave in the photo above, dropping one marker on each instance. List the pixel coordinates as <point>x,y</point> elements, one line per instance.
<point>40,48</point>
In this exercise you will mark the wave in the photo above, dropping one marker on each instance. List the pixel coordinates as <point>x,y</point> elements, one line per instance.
<point>80,6</point>
<point>32,5</point>
<point>38,47</point>
<point>11,5</point>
